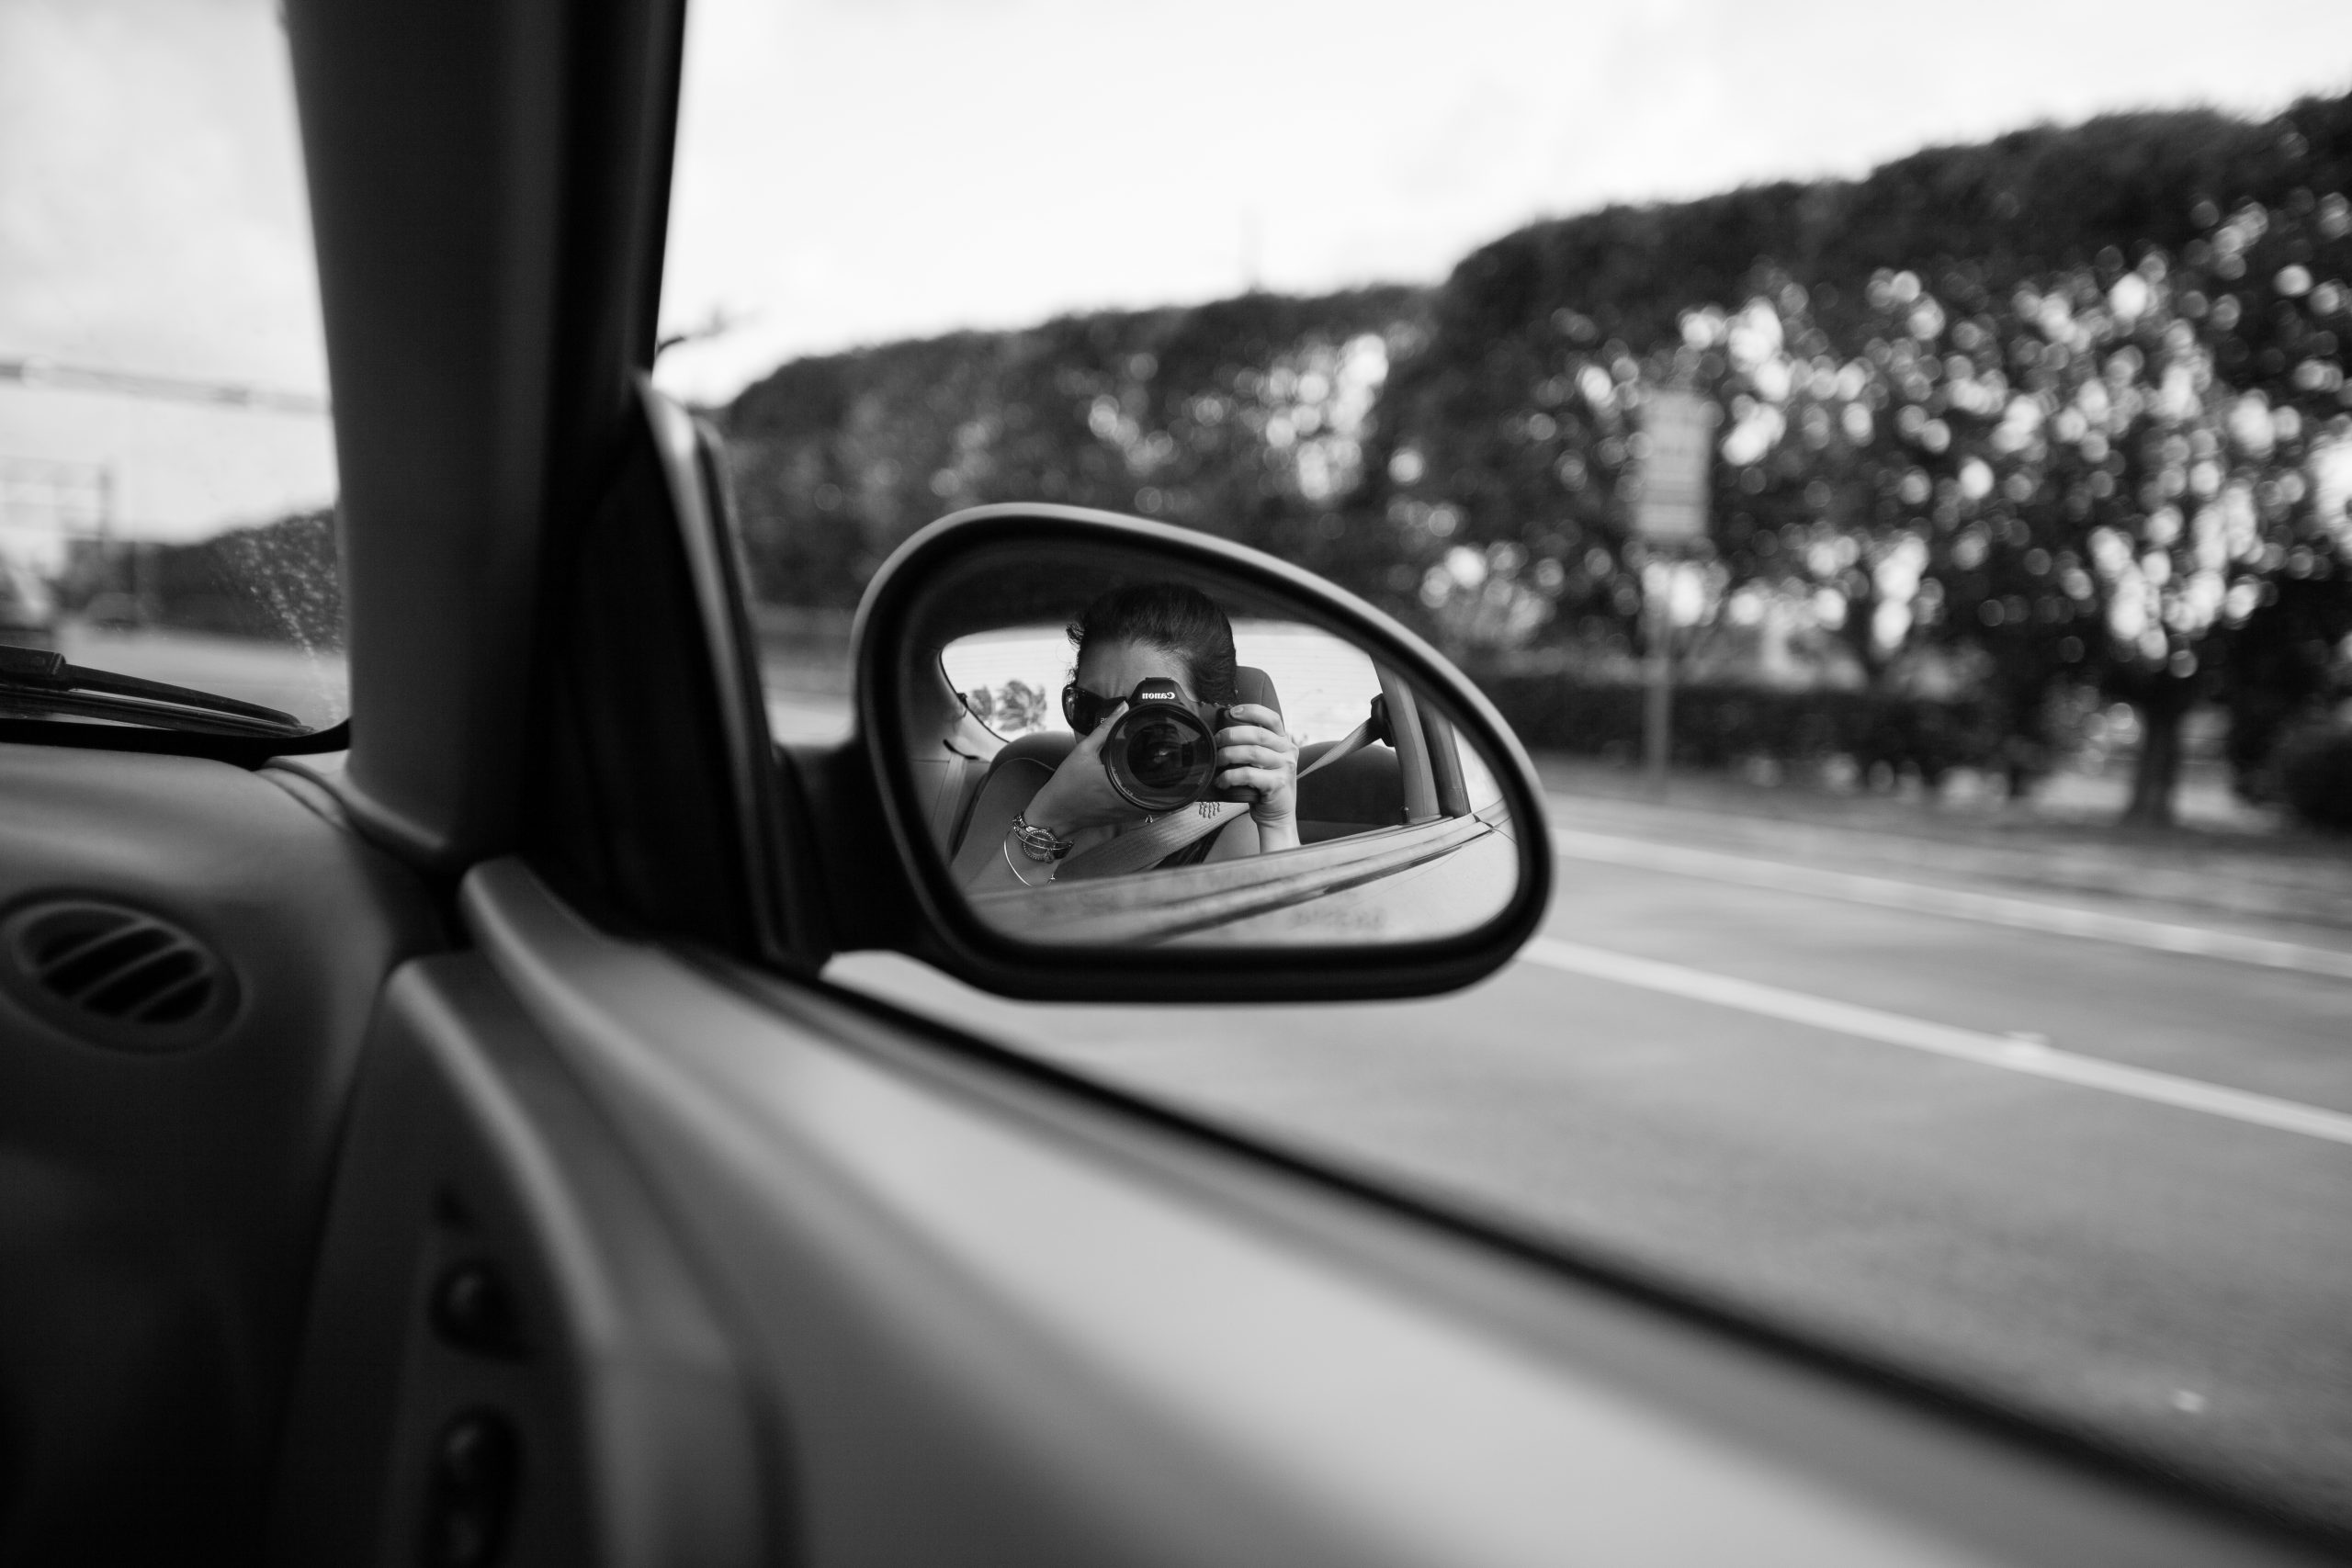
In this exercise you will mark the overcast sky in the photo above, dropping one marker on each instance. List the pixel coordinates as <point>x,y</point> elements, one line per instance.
<point>856,170</point>
<point>151,218</point>
<point>851,172</point>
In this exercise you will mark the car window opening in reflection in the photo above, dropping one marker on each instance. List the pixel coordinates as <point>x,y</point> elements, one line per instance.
<point>1147,766</point>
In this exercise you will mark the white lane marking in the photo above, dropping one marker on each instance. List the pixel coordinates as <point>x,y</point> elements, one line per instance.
<point>1992,909</point>
<point>1942,1040</point>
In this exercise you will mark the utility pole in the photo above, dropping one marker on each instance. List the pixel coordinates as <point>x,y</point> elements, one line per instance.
<point>66,500</point>
<point>1657,694</point>
<point>82,499</point>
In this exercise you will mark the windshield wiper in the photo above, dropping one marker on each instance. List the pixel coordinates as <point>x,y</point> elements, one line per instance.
<point>34,680</point>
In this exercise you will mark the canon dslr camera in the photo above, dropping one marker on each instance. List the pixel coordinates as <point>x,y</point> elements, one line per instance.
<point>1161,754</point>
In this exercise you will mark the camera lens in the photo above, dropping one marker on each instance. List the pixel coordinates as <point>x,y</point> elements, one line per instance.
<point>1161,759</point>
<point>1162,756</point>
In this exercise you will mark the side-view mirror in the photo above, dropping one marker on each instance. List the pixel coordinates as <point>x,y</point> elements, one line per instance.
<point>1116,760</point>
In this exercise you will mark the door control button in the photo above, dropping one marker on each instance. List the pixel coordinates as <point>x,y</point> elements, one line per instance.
<point>477,1462</point>
<point>473,1309</point>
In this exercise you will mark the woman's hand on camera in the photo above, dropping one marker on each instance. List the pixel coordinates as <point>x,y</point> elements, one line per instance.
<point>1079,794</point>
<point>1255,752</point>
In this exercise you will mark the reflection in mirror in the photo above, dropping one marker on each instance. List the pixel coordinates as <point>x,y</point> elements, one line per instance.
<point>1106,750</point>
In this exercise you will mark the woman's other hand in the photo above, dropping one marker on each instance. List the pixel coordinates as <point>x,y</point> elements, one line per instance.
<point>1079,794</point>
<point>1255,752</point>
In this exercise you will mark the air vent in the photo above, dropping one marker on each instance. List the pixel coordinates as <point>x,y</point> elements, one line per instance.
<point>113,974</point>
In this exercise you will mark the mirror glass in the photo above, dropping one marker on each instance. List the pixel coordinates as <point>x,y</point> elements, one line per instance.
<point>1107,749</point>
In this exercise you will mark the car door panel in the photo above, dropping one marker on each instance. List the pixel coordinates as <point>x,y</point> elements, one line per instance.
<point>507,1360</point>
<point>998,1323</point>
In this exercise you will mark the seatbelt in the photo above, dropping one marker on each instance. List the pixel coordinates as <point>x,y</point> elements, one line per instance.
<point>1154,842</point>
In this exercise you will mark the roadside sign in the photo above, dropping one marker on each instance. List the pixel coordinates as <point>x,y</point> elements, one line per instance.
<point>1680,427</point>
<point>1672,509</point>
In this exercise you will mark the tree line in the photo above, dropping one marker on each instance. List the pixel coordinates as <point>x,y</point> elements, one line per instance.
<point>279,580</point>
<point>2057,413</point>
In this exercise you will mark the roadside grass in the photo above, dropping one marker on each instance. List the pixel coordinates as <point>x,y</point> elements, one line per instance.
<point>2227,860</point>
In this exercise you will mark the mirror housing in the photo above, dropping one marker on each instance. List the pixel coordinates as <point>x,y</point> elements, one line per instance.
<point>878,834</point>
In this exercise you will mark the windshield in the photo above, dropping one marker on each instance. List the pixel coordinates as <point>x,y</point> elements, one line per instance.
<point>1891,472</point>
<point>166,456</point>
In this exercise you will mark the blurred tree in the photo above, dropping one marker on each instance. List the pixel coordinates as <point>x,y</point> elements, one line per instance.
<point>1245,418</point>
<point>2055,411</point>
<point>2284,669</point>
<point>280,580</point>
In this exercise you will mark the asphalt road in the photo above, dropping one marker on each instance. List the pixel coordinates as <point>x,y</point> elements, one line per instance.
<point>2092,1165</point>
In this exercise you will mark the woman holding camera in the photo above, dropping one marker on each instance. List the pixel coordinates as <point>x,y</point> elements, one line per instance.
<point>1148,632</point>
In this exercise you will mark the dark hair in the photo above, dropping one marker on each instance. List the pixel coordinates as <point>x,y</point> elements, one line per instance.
<point>1184,621</point>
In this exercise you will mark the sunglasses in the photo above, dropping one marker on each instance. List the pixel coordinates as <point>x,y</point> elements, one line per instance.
<point>1083,709</point>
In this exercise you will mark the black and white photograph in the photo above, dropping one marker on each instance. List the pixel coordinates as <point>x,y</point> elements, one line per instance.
<point>1015,782</point>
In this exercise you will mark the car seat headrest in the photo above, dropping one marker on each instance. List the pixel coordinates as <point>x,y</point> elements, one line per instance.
<point>1255,686</point>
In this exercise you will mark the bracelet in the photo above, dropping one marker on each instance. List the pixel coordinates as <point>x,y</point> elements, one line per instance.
<point>1010,866</point>
<point>1038,843</point>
